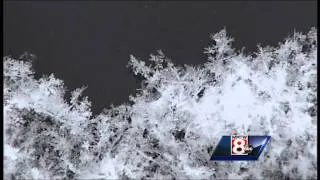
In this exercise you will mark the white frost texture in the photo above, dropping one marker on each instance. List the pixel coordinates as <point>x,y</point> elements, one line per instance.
<point>171,126</point>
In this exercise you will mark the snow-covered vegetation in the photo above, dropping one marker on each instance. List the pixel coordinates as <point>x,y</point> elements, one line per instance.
<point>170,128</point>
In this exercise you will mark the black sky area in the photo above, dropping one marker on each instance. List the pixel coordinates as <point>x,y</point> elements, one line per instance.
<point>89,43</point>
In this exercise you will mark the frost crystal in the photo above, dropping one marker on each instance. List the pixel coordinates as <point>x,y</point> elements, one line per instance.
<point>174,122</point>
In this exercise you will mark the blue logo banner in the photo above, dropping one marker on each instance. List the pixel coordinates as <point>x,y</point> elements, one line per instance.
<point>239,148</point>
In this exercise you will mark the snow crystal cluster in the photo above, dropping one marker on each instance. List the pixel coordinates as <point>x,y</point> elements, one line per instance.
<point>170,128</point>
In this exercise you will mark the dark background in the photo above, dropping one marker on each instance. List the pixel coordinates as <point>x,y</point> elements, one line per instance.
<point>89,43</point>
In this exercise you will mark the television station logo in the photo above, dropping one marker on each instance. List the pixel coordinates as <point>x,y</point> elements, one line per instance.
<point>240,147</point>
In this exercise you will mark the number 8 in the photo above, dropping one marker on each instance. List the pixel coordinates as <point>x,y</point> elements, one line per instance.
<point>236,146</point>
